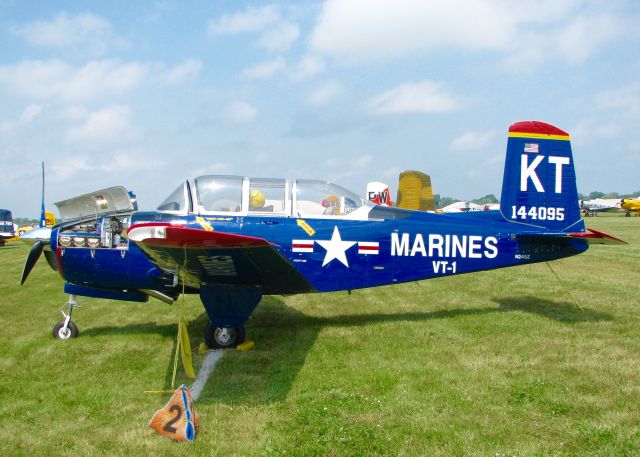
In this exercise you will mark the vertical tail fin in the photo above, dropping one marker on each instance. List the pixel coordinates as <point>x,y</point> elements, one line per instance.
<point>539,185</point>
<point>43,215</point>
<point>378,193</point>
<point>415,192</point>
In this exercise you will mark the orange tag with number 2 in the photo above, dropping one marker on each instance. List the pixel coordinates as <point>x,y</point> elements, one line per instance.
<point>177,420</point>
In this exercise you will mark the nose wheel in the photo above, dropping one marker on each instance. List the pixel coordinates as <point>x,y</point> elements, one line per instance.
<point>223,337</point>
<point>66,328</point>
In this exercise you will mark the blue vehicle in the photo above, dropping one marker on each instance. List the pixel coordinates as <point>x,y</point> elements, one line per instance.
<point>6,226</point>
<point>234,239</point>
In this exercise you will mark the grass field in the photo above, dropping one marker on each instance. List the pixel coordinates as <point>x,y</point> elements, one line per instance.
<point>507,362</point>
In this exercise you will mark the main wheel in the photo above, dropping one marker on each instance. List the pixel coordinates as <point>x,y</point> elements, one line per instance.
<point>64,334</point>
<point>223,337</point>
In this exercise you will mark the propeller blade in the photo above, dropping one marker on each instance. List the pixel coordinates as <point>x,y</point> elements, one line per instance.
<point>32,258</point>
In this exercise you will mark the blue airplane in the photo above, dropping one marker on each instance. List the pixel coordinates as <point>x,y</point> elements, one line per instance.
<point>234,239</point>
<point>6,226</point>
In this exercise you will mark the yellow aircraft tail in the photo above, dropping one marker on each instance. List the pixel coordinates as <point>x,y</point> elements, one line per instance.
<point>415,192</point>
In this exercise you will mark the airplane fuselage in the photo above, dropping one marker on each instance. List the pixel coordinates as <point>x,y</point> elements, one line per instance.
<point>327,254</point>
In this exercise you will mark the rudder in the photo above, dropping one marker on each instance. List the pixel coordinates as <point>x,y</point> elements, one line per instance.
<point>539,184</point>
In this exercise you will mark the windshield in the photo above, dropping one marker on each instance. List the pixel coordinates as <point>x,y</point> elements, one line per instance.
<point>320,198</point>
<point>177,201</point>
<point>219,193</point>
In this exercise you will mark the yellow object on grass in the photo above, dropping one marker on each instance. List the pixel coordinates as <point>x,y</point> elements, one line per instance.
<point>185,348</point>
<point>245,346</point>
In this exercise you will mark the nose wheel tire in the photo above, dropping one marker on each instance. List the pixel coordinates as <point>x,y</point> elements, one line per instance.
<point>62,333</point>
<point>223,337</point>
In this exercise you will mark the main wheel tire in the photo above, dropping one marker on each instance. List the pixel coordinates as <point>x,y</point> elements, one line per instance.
<point>64,334</point>
<point>223,337</point>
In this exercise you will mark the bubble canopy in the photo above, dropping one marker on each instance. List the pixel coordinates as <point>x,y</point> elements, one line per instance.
<point>238,195</point>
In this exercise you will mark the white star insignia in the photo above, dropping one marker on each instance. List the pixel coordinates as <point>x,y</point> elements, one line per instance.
<point>336,248</point>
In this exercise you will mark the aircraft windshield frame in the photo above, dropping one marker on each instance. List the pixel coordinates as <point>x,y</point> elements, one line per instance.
<point>275,197</point>
<point>177,202</point>
<point>321,199</point>
<point>221,194</point>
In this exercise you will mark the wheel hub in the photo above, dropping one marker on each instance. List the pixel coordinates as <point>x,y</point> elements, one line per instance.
<point>224,335</point>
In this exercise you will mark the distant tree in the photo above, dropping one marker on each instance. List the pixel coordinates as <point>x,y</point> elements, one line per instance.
<point>487,199</point>
<point>441,201</point>
<point>611,195</point>
<point>595,194</point>
<point>24,221</point>
<point>582,196</point>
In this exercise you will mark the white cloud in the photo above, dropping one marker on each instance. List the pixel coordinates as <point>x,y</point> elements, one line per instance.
<point>325,93</point>
<point>575,42</point>
<point>47,79</point>
<point>87,30</point>
<point>276,33</point>
<point>96,80</point>
<point>107,125</point>
<point>187,70</point>
<point>376,30</point>
<point>242,112</point>
<point>30,113</point>
<point>363,161</point>
<point>63,170</point>
<point>264,70</point>
<point>472,140</point>
<point>249,20</point>
<point>308,67</point>
<point>625,99</point>
<point>529,32</point>
<point>280,37</point>
<point>216,168</point>
<point>75,113</point>
<point>581,38</point>
<point>417,98</point>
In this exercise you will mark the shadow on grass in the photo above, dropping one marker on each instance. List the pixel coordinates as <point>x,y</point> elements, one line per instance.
<point>285,336</point>
<point>560,311</point>
<point>166,330</point>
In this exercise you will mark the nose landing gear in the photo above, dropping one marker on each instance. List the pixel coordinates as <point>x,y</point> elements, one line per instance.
<point>66,328</point>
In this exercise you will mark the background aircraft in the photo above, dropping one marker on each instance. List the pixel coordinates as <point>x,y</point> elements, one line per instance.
<point>631,205</point>
<point>6,226</point>
<point>378,193</point>
<point>464,206</point>
<point>233,239</point>
<point>414,192</point>
<point>47,220</point>
<point>600,205</point>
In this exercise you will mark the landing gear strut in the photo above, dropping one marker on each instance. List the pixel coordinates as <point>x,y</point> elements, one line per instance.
<point>66,328</point>
<point>223,337</point>
<point>228,308</point>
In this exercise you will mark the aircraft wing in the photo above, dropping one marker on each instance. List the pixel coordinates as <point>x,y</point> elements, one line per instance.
<point>211,257</point>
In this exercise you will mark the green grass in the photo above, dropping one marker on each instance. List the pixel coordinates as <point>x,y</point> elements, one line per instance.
<point>506,362</point>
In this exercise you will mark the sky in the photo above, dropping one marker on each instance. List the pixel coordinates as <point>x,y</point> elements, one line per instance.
<point>146,94</point>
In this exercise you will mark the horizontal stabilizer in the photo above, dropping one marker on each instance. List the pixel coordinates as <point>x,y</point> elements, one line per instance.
<point>592,236</point>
